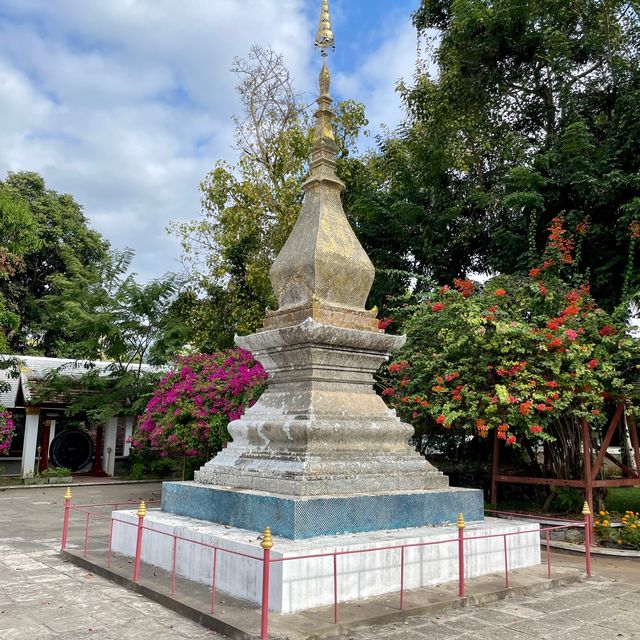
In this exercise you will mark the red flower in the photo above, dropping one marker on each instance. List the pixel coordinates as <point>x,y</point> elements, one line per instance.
<point>384,323</point>
<point>542,290</point>
<point>552,384</point>
<point>440,419</point>
<point>502,435</point>
<point>592,364</point>
<point>541,407</point>
<point>415,414</point>
<point>525,408</point>
<point>571,334</point>
<point>394,367</point>
<point>535,428</point>
<point>534,273</point>
<point>555,343</point>
<point>500,292</point>
<point>511,440</point>
<point>607,330</point>
<point>389,391</point>
<point>438,306</point>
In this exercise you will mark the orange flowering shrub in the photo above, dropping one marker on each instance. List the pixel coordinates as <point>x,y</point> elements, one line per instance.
<point>512,356</point>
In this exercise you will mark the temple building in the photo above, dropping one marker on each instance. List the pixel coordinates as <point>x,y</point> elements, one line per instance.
<point>45,436</point>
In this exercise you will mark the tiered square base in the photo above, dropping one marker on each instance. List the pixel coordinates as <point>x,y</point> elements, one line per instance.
<point>298,517</point>
<point>301,584</point>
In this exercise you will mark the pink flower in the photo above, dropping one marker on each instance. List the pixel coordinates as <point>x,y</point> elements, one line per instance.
<point>571,334</point>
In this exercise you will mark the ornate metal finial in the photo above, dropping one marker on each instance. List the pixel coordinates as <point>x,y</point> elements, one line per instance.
<point>67,494</point>
<point>267,540</point>
<point>142,509</point>
<point>324,37</point>
<point>585,509</point>
<point>461,522</point>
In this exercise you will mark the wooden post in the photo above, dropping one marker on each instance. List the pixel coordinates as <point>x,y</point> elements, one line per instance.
<point>633,434</point>
<point>494,469</point>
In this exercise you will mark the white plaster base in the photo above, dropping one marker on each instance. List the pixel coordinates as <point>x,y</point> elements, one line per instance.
<point>296,585</point>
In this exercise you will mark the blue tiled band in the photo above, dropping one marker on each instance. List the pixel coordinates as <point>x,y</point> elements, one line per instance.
<point>299,518</point>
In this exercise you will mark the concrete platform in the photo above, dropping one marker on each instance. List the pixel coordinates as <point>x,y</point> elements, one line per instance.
<point>238,620</point>
<point>302,584</point>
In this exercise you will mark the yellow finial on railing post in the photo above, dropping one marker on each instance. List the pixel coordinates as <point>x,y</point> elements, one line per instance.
<point>461,525</point>
<point>267,540</point>
<point>142,512</point>
<point>586,512</point>
<point>65,524</point>
<point>267,545</point>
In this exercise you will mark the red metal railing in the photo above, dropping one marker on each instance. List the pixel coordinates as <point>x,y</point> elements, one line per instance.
<point>461,540</point>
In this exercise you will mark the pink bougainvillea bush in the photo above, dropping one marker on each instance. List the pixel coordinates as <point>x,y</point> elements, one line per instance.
<point>190,409</point>
<point>7,429</point>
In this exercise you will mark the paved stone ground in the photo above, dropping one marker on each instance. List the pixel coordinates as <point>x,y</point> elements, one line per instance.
<point>43,598</point>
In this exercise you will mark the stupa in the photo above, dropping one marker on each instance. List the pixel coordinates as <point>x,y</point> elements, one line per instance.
<point>320,458</point>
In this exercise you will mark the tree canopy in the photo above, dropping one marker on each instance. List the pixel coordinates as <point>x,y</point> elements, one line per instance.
<point>45,237</point>
<point>534,112</point>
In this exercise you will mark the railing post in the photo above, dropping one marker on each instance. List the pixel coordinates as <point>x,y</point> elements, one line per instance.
<point>586,512</point>
<point>142,512</point>
<point>461,526</point>
<point>65,526</point>
<point>266,544</point>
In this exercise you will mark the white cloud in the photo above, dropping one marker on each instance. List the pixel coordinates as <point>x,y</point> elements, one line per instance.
<point>126,104</point>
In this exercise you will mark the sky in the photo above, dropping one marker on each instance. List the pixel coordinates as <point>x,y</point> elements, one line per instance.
<point>127,104</point>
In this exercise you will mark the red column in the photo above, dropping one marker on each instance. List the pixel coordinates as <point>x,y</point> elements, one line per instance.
<point>97,469</point>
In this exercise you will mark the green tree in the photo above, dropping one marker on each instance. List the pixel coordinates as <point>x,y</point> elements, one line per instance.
<point>45,236</point>
<point>534,112</point>
<point>112,318</point>
<point>19,236</point>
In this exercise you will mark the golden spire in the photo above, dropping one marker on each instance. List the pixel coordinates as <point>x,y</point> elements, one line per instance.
<point>324,37</point>
<point>322,272</point>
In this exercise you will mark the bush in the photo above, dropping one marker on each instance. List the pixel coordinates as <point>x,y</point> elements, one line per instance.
<point>190,409</point>
<point>7,430</point>
<point>55,472</point>
<point>517,356</point>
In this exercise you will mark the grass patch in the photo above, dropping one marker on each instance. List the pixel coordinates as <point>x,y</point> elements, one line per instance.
<point>621,499</point>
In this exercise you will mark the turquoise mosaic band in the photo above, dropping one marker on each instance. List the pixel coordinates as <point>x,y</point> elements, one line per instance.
<point>308,517</point>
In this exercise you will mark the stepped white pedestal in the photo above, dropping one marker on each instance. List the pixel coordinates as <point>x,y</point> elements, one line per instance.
<point>296,585</point>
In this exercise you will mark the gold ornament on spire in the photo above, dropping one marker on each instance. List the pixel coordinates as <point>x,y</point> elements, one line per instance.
<point>322,272</point>
<point>324,37</point>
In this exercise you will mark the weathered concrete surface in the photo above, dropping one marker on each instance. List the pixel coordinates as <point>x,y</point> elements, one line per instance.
<point>319,428</point>
<point>40,592</point>
<point>297,585</point>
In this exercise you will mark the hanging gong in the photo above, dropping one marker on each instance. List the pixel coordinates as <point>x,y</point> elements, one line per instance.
<point>72,449</point>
